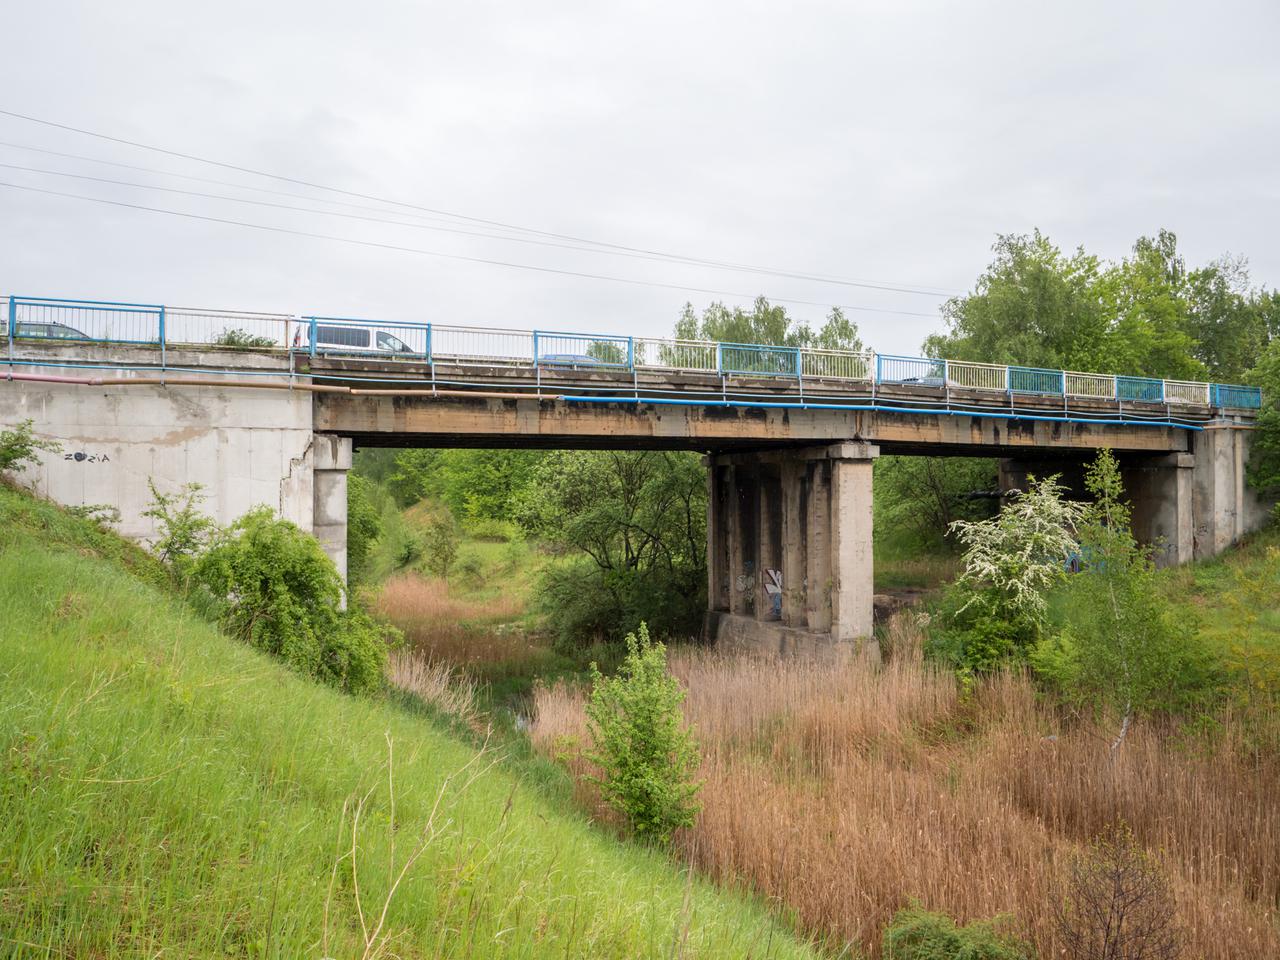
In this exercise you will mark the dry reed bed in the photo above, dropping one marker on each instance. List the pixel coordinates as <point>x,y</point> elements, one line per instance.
<point>843,792</point>
<point>441,627</point>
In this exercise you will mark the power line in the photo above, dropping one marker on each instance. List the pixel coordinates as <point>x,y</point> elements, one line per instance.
<point>892,288</point>
<point>349,216</point>
<point>451,256</point>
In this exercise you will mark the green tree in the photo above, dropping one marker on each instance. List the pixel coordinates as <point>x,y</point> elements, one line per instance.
<point>640,518</point>
<point>1264,450</point>
<point>1120,647</point>
<point>767,324</point>
<point>440,536</point>
<point>646,755</point>
<point>272,586</point>
<point>918,498</point>
<point>1033,305</point>
<point>364,524</point>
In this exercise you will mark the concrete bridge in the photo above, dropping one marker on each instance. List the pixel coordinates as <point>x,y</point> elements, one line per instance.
<point>137,392</point>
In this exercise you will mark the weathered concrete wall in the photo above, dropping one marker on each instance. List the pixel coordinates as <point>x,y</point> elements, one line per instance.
<point>1224,506</point>
<point>246,446</point>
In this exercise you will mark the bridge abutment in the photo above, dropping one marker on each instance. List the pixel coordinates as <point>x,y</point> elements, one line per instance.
<point>330,463</point>
<point>789,559</point>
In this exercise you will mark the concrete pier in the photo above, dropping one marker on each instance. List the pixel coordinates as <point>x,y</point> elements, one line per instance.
<point>789,563</point>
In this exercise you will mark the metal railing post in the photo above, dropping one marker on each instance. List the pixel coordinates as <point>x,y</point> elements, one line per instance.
<point>12,326</point>
<point>631,354</point>
<point>312,349</point>
<point>162,339</point>
<point>429,357</point>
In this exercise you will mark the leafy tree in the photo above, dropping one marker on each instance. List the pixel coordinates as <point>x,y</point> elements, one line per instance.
<point>364,524</point>
<point>477,485</point>
<point>272,586</point>
<point>918,498</point>
<point>640,517</point>
<point>646,755</point>
<point>1146,315</point>
<point>1120,646</point>
<point>767,324</point>
<point>997,608</point>
<point>440,538</point>
<point>1033,305</point>
<point>19,445</point>
<point>1012,560</point>
<point>1264,450</point>
<point>916,934</point>
<point>184,529</point>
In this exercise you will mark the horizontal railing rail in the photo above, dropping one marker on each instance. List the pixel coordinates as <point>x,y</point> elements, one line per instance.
<point>155,325</point>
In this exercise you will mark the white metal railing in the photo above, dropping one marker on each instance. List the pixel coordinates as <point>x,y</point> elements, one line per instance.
<point>977,376</point>
<point>190,325</point>
<point>1186,391</point>
<point>663,354</point>
<point>476,346</point>
<point>837,364</point>
<point>1091,386</point>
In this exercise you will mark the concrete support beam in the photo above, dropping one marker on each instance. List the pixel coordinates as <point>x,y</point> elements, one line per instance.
<point>793,544</point>
<point>852,586</point>
<point>717,538</point>
<point>769,544</point>
<point>1224,507</point>
<point>818,548</point>
<point>331,458</point>
<point>1160,495</point>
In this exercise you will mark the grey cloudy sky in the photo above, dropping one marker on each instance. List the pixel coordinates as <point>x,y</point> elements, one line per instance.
<point>884,141</point>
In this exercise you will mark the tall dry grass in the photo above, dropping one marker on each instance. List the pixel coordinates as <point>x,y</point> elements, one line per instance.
<point>843,791</point>
<point>443,628</point>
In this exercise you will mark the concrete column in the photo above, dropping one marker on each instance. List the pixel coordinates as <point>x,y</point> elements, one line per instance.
<point>769,544</point>
<point>331,459</point>
<point>852,569</point>
<point>717,538</point>
<point>737,547</point>
<point>818,547</point>
<point>1224,507</point>
<point>1160,493</point>
<point>793,543</point>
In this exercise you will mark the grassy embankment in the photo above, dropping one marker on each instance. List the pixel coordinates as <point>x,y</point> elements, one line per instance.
<point>871,788</point>
<point>168,791</point>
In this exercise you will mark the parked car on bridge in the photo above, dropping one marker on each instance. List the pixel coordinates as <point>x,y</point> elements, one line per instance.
<point>350,338</point>
<point>47,331</point>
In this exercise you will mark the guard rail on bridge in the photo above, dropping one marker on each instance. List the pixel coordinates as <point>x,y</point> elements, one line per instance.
<point>161,327</point>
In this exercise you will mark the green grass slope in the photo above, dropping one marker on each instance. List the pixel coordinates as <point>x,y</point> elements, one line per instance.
<point>165,791</point>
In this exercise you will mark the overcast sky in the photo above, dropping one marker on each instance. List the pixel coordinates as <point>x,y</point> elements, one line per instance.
<point>885,142</point>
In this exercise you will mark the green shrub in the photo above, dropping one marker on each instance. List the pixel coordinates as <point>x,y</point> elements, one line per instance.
<point>972,636</point>
<point>585,604</point>
<point>491,530</point>
<point>18,447</point>
<point>184,531</point>
<point>1120,645</point>
<point>273,587</point>
<point>235,337</point>
<point>916,934</point>
<point>646,755</point>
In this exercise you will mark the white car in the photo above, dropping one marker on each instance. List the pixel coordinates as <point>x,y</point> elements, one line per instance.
<point>350,338</point>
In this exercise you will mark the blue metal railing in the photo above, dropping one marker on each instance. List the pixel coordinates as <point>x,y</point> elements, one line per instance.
<point>751,359</point>
<point>146,324</point>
